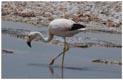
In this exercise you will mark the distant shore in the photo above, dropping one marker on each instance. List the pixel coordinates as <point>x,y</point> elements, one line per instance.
<point>97,15</point>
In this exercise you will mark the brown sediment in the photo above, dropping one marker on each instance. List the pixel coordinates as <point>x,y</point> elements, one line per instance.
<point>7,52</point>
<point>87,45</point>
<point>106,61</point>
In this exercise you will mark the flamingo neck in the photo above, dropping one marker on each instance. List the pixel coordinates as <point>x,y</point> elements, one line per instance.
<point>45,39</point>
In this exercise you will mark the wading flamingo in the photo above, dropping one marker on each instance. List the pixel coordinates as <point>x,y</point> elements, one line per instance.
<point>58,27</point>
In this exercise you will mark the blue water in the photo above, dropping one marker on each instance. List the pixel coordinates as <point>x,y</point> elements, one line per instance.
<point>34,62</point>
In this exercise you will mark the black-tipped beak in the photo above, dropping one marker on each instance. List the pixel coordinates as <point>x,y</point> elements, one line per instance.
<point>29,44</point>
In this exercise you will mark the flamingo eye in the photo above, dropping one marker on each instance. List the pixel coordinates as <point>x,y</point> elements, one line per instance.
<point>29,36</point>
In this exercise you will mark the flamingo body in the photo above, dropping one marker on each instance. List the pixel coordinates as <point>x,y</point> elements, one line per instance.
<point>58,27</point>
<point>64,27</point>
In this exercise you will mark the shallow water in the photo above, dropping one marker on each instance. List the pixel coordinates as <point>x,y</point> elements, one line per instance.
<point>33,62</point>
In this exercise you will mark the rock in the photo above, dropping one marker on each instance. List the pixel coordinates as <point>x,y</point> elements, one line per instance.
<point>26,13</point>
<point>106,61</point>
<point>7,52</point>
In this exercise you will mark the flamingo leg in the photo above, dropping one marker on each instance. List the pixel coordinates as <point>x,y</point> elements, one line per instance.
<point>66,48</point>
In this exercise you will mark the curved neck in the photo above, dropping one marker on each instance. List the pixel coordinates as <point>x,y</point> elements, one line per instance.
<point>45,39</point>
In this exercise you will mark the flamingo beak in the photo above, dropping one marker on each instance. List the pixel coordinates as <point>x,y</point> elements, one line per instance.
<point>29,42</point>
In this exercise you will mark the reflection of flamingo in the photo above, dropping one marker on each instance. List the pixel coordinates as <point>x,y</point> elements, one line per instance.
<point>51,68</point>
<point>59,27</point>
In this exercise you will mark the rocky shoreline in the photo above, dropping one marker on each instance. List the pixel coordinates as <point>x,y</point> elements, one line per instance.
<point>95,15</point>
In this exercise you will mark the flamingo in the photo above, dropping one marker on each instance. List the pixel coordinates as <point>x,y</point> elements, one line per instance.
<point>58,27</point>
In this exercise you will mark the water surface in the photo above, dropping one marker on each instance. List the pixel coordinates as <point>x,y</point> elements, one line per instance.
<point>33,62</point>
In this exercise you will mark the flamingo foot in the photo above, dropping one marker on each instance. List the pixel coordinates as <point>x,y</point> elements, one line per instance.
<point>52,62</point>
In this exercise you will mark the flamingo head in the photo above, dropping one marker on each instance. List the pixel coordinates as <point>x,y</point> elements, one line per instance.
<point>31,36</point>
